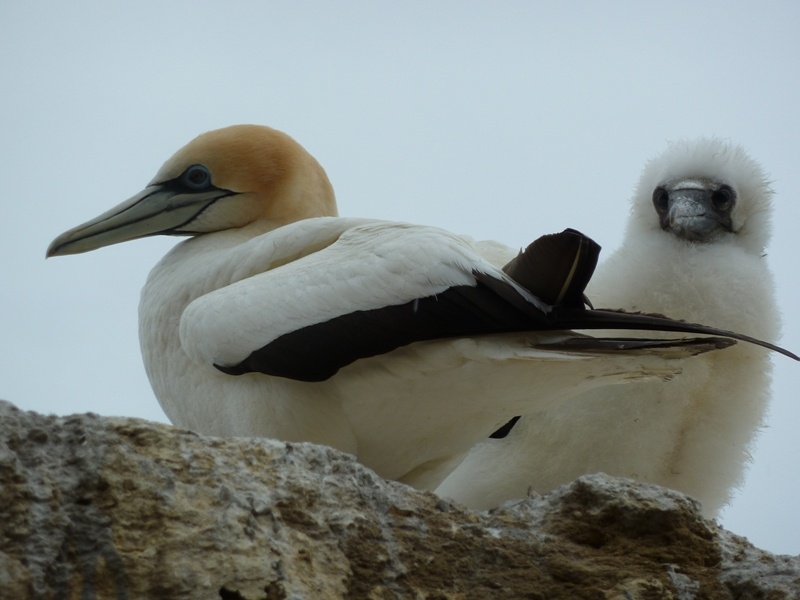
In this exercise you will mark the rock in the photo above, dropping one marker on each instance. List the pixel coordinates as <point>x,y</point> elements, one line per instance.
<point>93,507</point>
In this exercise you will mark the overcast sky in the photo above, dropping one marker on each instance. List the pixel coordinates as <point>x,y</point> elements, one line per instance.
<point>502,120</point>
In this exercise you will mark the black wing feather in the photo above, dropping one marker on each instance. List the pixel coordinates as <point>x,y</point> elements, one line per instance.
<point>554,269</point>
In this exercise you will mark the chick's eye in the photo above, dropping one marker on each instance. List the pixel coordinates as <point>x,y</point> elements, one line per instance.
<point>660,200</point>
<point>196,177</point>
<point>724,198</point>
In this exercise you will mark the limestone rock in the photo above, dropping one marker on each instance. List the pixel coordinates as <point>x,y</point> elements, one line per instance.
<point>93,507</point>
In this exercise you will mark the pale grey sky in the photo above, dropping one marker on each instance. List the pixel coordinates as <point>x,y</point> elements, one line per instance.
<point>502,120</point>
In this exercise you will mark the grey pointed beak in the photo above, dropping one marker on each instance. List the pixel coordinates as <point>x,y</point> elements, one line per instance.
<point>157,209</point>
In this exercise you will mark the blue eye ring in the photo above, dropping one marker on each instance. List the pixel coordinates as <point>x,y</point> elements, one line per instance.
<point>197,178</point>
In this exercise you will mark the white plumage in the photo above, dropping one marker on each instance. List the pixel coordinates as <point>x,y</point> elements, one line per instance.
<point>694,250</point>
<point>398,343</point>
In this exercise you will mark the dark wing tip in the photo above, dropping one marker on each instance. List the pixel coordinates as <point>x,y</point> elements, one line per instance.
<point>503,431</point>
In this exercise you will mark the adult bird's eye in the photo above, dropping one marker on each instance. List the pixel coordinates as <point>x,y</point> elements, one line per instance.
<point>660,200</point>
<point>724,198</point>
<point>196,177</point>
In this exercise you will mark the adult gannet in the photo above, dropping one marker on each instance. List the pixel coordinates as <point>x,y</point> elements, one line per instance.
<point>693,249</point>
<point>398,343</point>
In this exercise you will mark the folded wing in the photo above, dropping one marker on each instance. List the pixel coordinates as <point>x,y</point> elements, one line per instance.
<point>372,287</point>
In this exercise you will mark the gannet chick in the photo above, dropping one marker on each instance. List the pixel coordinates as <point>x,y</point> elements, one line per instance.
<point>694,250</point>
<point>398,343</point>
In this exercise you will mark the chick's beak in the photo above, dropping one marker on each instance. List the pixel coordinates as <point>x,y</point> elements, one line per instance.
<point>692,215</point>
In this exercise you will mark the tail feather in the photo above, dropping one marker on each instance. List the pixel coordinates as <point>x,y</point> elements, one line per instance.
<point>569,318</point>
<point>556,268</point>
<point>668,348</point>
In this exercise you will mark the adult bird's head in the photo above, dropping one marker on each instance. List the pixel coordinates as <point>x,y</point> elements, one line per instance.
<point>705,190</point>
<point>239,176</point>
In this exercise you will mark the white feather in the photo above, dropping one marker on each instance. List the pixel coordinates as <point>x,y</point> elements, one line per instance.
<point>693,434</point>
<point>419,405</point>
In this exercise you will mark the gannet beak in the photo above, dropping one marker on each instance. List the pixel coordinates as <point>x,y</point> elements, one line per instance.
<point>158,209</point>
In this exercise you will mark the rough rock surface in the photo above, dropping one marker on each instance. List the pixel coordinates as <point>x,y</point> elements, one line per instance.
<point>93,507</point>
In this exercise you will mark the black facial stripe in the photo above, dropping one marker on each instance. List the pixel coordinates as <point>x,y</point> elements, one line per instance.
<point>179,229</point>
